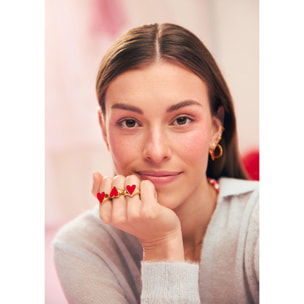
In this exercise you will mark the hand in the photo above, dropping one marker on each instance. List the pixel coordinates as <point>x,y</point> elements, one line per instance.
<point>157,228</point>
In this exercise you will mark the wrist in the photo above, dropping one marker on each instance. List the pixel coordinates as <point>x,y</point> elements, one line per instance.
<point>169,249</point>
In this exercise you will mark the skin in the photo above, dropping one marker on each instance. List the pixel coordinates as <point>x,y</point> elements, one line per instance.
<point>159,130</point>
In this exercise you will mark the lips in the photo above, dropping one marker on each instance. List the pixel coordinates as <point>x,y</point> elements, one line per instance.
<point>159,177</point>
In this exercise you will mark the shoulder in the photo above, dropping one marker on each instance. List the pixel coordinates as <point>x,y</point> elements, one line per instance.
<point>237,211</point>
<point>236,187</point>
<point>240,202</point>
<point>238,199</point>
<point>231,241</point>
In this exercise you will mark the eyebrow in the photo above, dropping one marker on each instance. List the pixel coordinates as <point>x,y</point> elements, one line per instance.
<point>172,108</point>
<point>123,106</point>
<point>182,104</point>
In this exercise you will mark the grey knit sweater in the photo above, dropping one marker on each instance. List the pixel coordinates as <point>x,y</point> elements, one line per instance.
<point>97,263</point>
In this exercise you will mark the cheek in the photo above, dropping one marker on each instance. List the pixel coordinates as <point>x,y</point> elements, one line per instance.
<point>123,152</point>
<point>194,146</point>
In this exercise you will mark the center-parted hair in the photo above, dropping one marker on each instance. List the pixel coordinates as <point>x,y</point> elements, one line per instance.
<point>148,44</point>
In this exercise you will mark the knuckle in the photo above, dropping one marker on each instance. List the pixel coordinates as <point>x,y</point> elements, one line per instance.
<point>133,176</point>
<point>118,177</point>
<point>107,180</point>
<point>147,183</point>
<point>132,179</point>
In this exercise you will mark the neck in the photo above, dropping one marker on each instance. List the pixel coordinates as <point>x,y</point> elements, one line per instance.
<point>195,216</point>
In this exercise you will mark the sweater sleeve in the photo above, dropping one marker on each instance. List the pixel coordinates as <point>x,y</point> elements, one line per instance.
<point>93,264</point>
<point>164,282</point>
<point>83,277</point>
<point>252,254</point>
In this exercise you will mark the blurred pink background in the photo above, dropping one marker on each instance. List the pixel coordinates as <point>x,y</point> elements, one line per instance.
<point>77,35</point>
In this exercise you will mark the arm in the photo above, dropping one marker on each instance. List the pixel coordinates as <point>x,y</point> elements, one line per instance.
<point>170,283</point>
<point>83,279</point>
<point>90,270</point>
<point>166,277</point>
<point>86,278</point>
<point>252,254</point>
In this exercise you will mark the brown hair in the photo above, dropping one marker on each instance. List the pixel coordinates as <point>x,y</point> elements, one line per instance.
<point>169,42</point>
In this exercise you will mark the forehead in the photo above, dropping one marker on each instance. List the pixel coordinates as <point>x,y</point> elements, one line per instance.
<point>160,83</point>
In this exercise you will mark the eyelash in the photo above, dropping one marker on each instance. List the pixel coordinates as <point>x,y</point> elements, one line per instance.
<point>122,123</point>
<point>188,119</point>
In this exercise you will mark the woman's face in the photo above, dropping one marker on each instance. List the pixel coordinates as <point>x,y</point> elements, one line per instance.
<point>159,127</point>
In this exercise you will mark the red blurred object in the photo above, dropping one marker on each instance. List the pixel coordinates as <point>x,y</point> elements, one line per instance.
<point>251,161</point>
<point>107,16</point>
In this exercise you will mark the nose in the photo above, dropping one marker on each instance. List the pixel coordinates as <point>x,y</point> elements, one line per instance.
<point>157,146</point>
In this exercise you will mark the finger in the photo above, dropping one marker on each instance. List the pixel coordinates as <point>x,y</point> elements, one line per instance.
<point>119,203</point>
<point>97,180</point>
<point>132,184</point>
<point>105,207</point>
<point>148,196</point>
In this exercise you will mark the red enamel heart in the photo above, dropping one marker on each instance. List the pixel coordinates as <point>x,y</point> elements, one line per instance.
<point>114,192</point>
<point>131,189</point>
<point>100,196</point>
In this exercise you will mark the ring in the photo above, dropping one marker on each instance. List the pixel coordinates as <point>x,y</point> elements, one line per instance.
<point>102,197</point>
<point>116,192</point>
<point>131,190</point>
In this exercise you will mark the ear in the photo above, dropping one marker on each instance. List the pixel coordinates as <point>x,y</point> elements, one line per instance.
<point>103,127</point>
<point>217,127</point>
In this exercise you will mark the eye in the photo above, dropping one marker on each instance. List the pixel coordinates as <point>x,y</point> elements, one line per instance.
<point>128,123</point>
<point>182,120</point>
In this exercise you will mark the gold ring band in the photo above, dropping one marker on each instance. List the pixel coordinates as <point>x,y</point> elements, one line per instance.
<point>103,197</point>
<point>116,192</point>
<point>131,190</point>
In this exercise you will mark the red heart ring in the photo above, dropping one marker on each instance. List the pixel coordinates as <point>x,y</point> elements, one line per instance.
<point>131,189</point>
<point>100,196</point>
<point>114,192</point>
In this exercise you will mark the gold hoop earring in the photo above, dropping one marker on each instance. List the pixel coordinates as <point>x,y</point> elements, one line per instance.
<point>108,147</point>
<point>212,152</point>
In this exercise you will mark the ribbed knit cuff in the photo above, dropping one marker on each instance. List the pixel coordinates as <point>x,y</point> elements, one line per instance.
<point>169,283</point>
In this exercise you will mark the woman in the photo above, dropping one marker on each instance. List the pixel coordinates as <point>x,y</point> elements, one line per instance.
<point>178,223</point>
